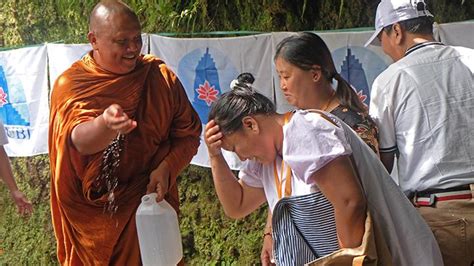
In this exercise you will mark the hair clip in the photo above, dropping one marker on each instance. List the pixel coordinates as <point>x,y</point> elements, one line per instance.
<point>233,84</point>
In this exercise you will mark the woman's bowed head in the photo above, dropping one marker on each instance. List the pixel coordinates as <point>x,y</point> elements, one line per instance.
<point>238,123</point>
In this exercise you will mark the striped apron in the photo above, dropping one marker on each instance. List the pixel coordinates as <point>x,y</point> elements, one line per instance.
<point>304,229</point>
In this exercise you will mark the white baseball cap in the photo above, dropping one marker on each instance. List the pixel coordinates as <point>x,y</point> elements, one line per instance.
<point>393,11</point>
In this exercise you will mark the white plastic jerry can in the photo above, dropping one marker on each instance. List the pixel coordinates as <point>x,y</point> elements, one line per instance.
<point>158,232</point>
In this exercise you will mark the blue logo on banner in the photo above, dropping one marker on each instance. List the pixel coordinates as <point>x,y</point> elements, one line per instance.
<point>13,108</point>
<point>205,76</point>
<point>359,66</point>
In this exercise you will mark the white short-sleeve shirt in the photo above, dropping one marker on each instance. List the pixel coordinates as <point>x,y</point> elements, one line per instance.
<point>309,143</point>
<point>3,135</point>
<point>423,105</point>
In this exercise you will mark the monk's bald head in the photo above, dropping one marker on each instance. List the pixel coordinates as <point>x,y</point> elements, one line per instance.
<point>115,36</point>
<point>104,11</point>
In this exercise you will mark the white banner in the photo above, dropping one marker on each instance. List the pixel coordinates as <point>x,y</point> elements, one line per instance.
<point>62,56</point>
<point>457,34</point>
<point>24,108</point>
<point>206,66</point>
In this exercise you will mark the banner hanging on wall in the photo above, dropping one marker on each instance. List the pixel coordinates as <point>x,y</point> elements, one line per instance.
<point>24,108</point>
<point>62,56</point>
<point>457,33</point>
<point>206,66</point>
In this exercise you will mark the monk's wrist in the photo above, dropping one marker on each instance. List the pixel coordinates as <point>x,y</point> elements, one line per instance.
<point>103,124</point>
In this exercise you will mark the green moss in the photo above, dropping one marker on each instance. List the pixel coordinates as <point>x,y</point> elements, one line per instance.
<point>208,235</point>
<point>28,241</point>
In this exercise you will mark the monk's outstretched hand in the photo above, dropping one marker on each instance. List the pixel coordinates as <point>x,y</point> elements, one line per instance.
<point>159,181</point>
<point>213,138</point>
<point>116,119</point>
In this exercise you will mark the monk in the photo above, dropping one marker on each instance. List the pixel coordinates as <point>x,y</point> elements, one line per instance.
<point>121,126</point>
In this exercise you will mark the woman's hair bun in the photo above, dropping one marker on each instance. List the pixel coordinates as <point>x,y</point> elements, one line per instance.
<point>246,78</point>
<point>243,84</point>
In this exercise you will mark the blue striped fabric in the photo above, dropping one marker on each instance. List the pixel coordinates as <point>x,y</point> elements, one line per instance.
<point>304,229</point>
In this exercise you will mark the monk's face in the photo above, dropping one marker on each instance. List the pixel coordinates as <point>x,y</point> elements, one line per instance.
<point>117,43</point>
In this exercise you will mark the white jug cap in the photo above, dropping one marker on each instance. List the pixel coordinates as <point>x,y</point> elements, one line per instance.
<point>149,198</point>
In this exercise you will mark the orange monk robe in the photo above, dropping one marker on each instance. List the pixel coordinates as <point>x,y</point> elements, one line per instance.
<point>168,129</point>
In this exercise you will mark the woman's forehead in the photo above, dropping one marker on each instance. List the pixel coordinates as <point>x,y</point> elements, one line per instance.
<point>228,141</point>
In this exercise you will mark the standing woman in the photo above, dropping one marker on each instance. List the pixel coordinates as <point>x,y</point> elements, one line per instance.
<point>306,70</point>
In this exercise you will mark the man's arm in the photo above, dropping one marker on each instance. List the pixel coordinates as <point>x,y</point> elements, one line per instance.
<point>164,176</point>
<point>185,131</point>
<point>95,135</point>
<point>381,111</point>
<point>387,159</point>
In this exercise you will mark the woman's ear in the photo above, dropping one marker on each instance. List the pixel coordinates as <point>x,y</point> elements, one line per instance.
<point>250,124</point>
<point>316,73</point>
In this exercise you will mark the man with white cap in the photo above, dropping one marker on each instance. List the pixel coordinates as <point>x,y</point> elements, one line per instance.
<point>423,105</point>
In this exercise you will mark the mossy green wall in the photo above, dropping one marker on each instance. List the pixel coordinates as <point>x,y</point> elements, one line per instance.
<point>208,236</point>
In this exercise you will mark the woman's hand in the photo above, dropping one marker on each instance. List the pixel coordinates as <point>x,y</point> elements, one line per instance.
<point>213,139</point>
<point>266,256</point>
<point>23,206</point>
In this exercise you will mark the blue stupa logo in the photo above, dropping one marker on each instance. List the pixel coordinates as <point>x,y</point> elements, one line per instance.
<point>12,104</point>
<point>206,85</point>
<point>205,73</point>
<point>353,72</point>
<point>13,109</point>
<point>359,66</point>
